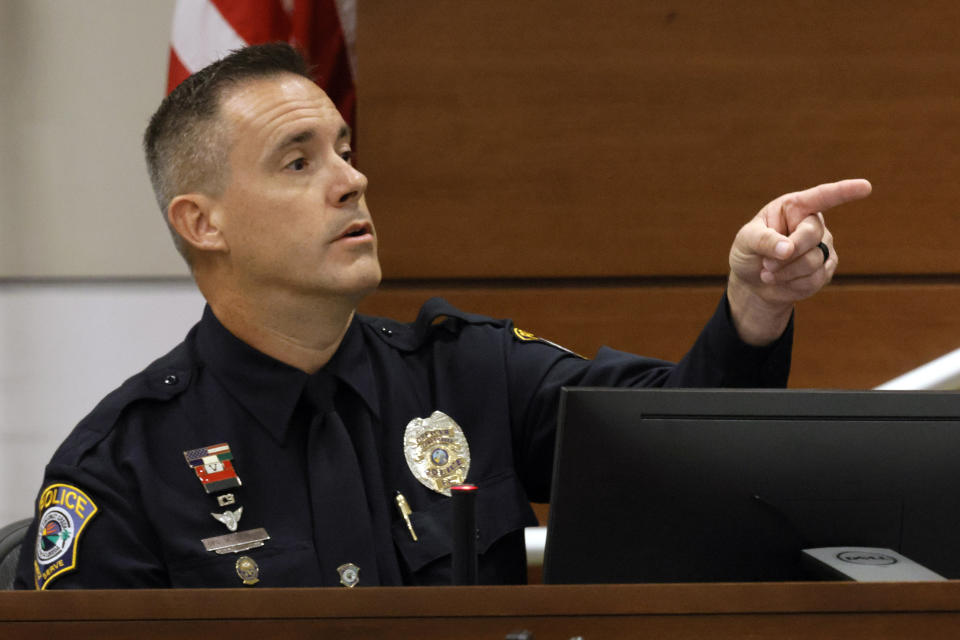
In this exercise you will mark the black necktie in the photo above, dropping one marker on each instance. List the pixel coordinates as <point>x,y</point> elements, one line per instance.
<point>350,501</point>
<point>342,526</point>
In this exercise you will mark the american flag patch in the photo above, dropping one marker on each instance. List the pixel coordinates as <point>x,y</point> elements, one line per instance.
<point>214,467</point>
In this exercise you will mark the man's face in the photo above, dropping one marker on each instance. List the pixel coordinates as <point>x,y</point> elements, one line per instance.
<point>293,213</point>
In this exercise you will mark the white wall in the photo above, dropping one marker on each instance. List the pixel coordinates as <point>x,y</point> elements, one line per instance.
<point>91,289</point>
<point>78,83</point>
<point>64,346</point>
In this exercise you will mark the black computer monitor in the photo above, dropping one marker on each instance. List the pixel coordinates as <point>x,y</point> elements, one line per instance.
<point>659,485</point>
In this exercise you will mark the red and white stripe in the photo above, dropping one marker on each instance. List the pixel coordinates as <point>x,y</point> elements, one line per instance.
<point>324,30</point>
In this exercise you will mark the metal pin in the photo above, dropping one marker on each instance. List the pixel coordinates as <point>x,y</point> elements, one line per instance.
<point>405,511</point>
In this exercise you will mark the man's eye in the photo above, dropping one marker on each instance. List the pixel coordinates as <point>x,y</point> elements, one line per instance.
<point>298,165</point>
<point>347,156</point>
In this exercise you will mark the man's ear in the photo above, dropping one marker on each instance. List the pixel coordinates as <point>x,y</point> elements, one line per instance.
<point>192,215</point>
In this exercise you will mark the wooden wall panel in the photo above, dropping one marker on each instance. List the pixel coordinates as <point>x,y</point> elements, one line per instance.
<point>851,336</point>
<point>583,167</point>
<point>634,137</point>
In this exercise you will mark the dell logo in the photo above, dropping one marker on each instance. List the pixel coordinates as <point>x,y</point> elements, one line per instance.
<point>861,557</point>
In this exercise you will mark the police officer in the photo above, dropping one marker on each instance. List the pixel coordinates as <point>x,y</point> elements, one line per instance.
<point>289,441</point>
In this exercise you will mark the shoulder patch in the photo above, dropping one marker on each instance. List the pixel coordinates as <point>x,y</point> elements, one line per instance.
<point>64,511</point>
<point>526,336</point>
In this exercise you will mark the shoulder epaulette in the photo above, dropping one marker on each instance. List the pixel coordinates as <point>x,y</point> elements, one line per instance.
<point>435,313</point>
<point>165,378</point>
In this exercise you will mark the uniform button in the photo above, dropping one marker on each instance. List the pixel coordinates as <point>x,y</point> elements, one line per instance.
<point>386,332</point>
<point>171,379</point>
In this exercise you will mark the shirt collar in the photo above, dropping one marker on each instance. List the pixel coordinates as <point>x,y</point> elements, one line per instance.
<point>351,364</point>
<point>270,389</point>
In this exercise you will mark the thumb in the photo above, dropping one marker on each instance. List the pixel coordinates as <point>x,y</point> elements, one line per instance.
<point>764,241</point>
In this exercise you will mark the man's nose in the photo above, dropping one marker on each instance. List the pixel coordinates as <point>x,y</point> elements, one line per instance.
<point>351,186</point>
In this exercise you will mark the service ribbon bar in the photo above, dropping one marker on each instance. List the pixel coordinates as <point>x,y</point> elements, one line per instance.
<point>213,467</point>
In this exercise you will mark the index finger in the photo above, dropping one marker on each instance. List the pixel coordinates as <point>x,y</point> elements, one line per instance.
<point>798,205</point>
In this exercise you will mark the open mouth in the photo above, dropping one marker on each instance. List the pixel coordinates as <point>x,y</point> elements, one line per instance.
<point>356,230</point>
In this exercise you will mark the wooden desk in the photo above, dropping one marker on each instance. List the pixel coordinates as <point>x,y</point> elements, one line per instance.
<point>771,610</point>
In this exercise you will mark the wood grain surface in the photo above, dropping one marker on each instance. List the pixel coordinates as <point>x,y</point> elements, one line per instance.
<point>563,138</point>
<point>771,610</point>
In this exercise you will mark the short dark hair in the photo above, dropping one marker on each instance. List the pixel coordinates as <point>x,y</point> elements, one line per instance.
<point>185,143</point>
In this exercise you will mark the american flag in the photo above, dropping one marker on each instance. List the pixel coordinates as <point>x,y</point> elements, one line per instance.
<point>324,30</point>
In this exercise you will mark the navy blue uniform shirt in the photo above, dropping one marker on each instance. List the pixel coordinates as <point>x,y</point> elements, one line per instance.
<point>121,506</point>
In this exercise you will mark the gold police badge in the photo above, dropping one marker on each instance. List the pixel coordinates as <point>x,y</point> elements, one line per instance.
<point>437,452</point>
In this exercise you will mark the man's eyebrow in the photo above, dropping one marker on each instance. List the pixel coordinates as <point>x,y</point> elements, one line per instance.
<point>306,136</point>
<point>294,139</point>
